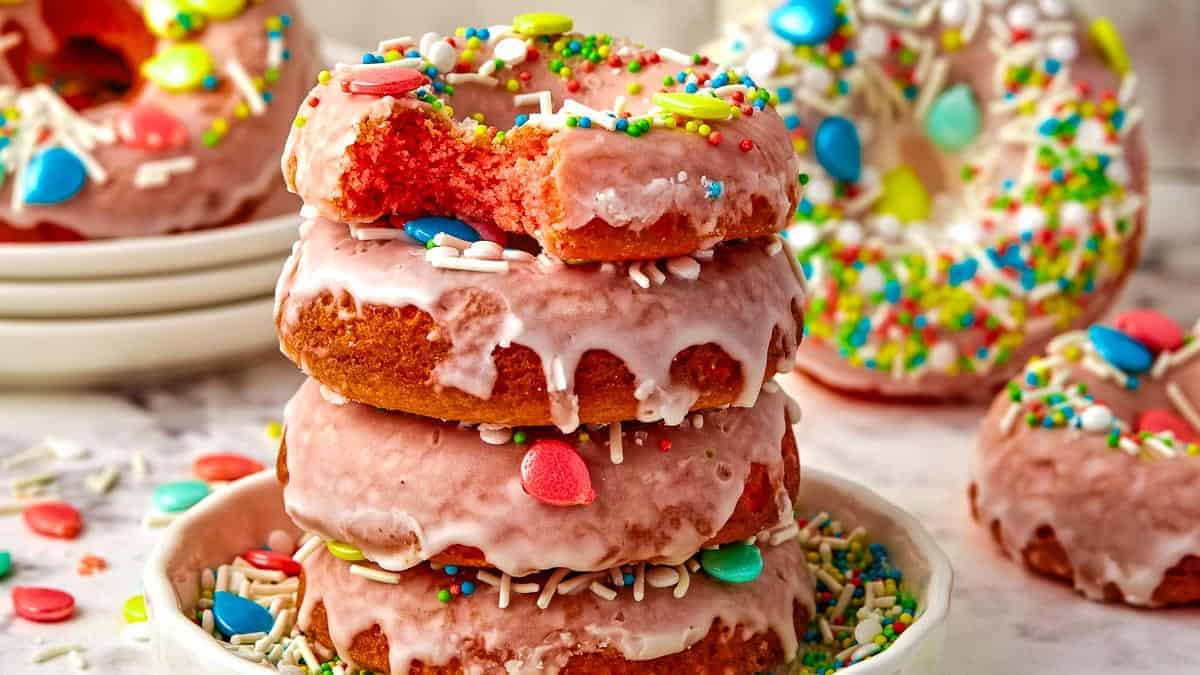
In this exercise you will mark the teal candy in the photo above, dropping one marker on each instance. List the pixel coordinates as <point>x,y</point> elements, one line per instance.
<point>180,496</point>
<point>5,563</point>
<point>838,149</point>
<point>424,229</point>
<point>954,119</point>
<point>1121,350</point>
<point>733,563</point>
<point>805,22</point>
<point>236,615</point>
<point>53,176</point>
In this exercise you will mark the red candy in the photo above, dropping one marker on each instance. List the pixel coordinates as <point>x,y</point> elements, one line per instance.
<point>54,519</point>
<point>45,605</point>
<point>225,466</point>
<point>1158,421</point>
<point>553,473</point>
<point>151,128</point>
<point>1153,329</point>
<point>387,81</point>
<point>272,560</point>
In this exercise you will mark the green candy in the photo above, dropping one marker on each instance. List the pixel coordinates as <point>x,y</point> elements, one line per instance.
<point>135,609</point>
<point>697,106</point>
<point>542,23</point>
<point>733,563</point>
<point>218,9</point>
<point>954,120</point>
<point>179,68</point>
<point>5,563</point>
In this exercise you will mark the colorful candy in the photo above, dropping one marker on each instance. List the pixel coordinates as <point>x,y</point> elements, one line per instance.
<point>536,24</point>
<point>1154,330</point>
<point>180,495</point>
<point>235,615</point>
<point>387,81</point>
<point>44,605</point>
<point>1159,421</point>
<point>954,120</point>
<point>1121,350</point>
<point>134,609</point>
<point>553,473</point>
<point>53,176</point>
<point>5,564</point>
<point>149,127</point>
<point>694,105</point>
<point>270,560</point>
<point>425,229</point>
<point>838,148</point>
<point>218,9</point>
<point>904,196</point>
<point>58,520</point>
<point>226,466</point>
<point>805,22</point>
<point>1108,39</point>
<point>733,563</point>
<point>344,551</point>
<point>180,67</point>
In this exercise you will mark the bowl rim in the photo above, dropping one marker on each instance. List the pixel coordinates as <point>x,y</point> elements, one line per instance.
<point>168,616</point>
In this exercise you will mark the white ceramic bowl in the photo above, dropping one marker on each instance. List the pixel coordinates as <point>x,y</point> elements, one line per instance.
<point>95,298</point>
<point>146,348</point>
<point>242,515</point>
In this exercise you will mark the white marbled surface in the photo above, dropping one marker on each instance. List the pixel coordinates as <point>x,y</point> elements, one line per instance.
<point>1003,621</point>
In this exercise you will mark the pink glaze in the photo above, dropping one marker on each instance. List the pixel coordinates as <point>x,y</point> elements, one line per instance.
<point>523,639</point>
<point>1122,519</point>
<point>622,180</point>
<point>227,179</point>
<point>561,312</point>
<point>403,488</point>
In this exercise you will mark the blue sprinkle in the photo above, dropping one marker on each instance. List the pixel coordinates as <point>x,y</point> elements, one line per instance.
<point>585,122</point>
<point>470,33</point>
<point>1049,127</point>
<point>413,53</point>
<point>849,57</point>
<point>431,71</point>
<point>784,94</point>
<point>267,96</point>
<point>450,570</point>
<point>274,34</point>
<point>627,579</point>
<point>1031,379</point>
<point>210,82</point>
<point>691,88</point>
<point>467,587</point>
<point>286,55</point>
<point>891,291</point>
<point>1028,279</point>
<point>1053,66</point>
<point>805,208</point>
<point>714,189</point>
<point>622,124</point>
<point>368,59</point>
<point>920,322</point>
<point>522,119</point>
<point>792,122</point>
<point>285,20</point>
<point>484,34</point>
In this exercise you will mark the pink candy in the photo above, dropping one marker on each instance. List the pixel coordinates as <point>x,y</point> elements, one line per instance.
<point>387,81</point>
<point>1158,421</point>
<point>151,128</point>
<point>553,473</point>
<point>45,605</point>
<point>1153,329</point>
<point>225,466</point>
<point>271,560</point>
<point>59,520</point>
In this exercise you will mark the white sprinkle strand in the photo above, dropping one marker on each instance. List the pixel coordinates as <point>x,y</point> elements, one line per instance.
<point>245,86</point>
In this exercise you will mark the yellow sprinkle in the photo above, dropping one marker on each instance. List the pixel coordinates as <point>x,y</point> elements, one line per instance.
<point>391,55</point>
<point>301,121</point>
<point>275,429</point>
<point>512,86</point>
<point>324,77</point>
<point>634,88</point>
<point>241,110</point>
<point>952,40</point>
<point>220,125</point>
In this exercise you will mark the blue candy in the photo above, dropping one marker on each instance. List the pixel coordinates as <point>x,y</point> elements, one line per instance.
<point>53,176</point>
<point>954,120</point>
<point>838,149</point>
<point>236,615</point>
<point>424,229</point>
<point>1121,350</point>
<point>805,22</point>
<point>180,496</point>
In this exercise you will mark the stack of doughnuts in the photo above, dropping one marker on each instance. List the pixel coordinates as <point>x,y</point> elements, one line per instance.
<point>129,118</point>
<point>540,296</point>
<point>1087,467</point>
<point>978,182</point>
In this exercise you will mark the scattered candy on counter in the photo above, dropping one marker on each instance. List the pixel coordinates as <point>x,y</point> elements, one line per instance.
<point>553,472</point>
<point>58,520</point>
<point>224,467</point>
<point>91,564</point>
<point>180,495</point>
<point>134,609</point>
<point>862,605</point>
<point>5,564</point>
<point>44,605</point>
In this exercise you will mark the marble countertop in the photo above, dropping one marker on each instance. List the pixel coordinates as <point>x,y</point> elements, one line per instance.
<point>1003,621</point>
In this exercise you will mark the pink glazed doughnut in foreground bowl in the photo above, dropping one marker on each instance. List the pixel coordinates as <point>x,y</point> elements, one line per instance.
<point>978,183</point>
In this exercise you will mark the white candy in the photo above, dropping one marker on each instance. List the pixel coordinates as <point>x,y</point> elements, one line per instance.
<point>965,232</point>
<point>1063,48</point>
<point>442,56</point>
<point>850,234</point>
<point>867,629</point>
<point>803,236</point>
<point>1091,133</point>
<point>1054,8</point>
<point>871,280</point>
<point>818,79</point>
<point>889,227</point>
<point>953,12</point>
<point>1022,16</point>
<point>662,577</point>
<point>762,63</point>
<point>1096,418</point>
<point>1031,219</point>
<point>511,50</point>
<point>819,191</point>
<point>1074,214</point>
<point>942,356</point>
<point>1118,172</point>
<point>873,41</point>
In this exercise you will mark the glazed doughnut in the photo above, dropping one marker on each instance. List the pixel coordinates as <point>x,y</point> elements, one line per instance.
<point>1087,467</point>
<point>399,625</point>
<point>120,123</point>
<point>978,182</point>
<point>534,342</point>
<point>599,148</point>
<point>403,489</point>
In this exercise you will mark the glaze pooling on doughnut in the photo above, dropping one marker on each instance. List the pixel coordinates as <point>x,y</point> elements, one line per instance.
<point>1061,449</point>
<point>523,638</point>
<point>404,489</point>
<point>743,295</point>
<point>584,157</point>
<point>202,98</point>
<point>947,263</point>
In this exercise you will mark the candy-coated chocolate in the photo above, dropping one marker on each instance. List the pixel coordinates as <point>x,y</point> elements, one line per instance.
<point>235,615</point>
<point>224,466</point>
<point>59,520</point>
<point>44,605</point>
<point>733,563</point>
<point>552,472</point>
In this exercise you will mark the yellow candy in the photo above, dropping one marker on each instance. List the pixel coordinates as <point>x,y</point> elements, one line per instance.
<point>1106,37</point>
<point>218,9</point>
<point>162,17</point>
<point>345,551</point>
<point>697,106</point>
<point>542,23</point>
<point>135,609</point>
<point>178,68</point>
<point>904,196</point>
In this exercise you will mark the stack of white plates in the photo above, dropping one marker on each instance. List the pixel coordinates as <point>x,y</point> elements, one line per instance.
<point>128,310</point>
